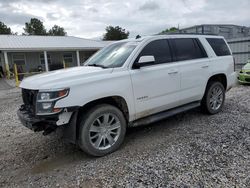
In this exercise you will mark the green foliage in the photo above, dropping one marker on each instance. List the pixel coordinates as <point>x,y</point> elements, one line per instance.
<point>34,27</point>
<point>170,30</point>
<point>57,31</point>
<point>4,29</point>
<point>115,33</point>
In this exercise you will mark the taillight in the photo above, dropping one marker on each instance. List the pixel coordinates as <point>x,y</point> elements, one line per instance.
<point>234,65</point>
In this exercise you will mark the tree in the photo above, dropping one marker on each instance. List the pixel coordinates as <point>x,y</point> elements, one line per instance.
<point>4,29</point>
<point>170,30</point>
<point>34,27</point>
<point>115,33</point>
<point>57,31</point>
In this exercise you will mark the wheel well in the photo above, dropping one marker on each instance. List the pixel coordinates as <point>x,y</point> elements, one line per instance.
<point>219,77</point>
<point>116,101</point>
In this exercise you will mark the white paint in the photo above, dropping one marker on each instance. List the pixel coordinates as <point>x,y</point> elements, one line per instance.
<point>6,59</point>
<point>46,61</point>
<point>146,59</point>
<point>78,58</point>
<point>64,118</point>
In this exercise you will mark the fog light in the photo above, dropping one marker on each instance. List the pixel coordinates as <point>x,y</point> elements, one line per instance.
<point>46,105</point>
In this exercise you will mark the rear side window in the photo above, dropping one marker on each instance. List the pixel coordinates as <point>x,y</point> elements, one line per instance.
<point>159,49</point>
<point>219,46</point>
<point>188,48</point>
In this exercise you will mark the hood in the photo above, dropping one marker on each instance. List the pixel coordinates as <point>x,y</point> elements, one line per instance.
<point>63,78</point>
<point>246,67</point>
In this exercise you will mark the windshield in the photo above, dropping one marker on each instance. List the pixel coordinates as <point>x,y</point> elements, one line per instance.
<point>113,55</point>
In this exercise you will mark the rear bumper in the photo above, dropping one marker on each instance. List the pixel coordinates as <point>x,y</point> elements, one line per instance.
<point>231,80</point>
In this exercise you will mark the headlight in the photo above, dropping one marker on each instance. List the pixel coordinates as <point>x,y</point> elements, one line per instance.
<point>52,95</point>
<point>46,101</point>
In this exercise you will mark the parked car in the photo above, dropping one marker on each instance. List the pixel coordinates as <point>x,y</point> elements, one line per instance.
<point>244,74</point>
<point>129,83</point>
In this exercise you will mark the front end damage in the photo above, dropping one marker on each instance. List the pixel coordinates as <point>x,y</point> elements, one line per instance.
<point>47,123</point>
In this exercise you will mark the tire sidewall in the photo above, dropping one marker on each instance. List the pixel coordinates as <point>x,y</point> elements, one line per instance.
<point>86,122</point>
<point>209,91</point>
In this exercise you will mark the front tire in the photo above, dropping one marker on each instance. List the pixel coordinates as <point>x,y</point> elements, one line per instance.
<point>214,98</point>
<point>102,130</point>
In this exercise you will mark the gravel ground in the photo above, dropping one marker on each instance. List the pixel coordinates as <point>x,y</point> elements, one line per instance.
<point>187,150</point>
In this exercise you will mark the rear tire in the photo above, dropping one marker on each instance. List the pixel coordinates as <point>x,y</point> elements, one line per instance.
<point>214,97</point>
<point>102,130</point>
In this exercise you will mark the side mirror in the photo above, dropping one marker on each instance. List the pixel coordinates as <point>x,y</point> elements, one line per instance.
<point>144,61</point>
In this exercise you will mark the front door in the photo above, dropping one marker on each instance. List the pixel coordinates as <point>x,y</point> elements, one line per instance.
<point>156,87</point>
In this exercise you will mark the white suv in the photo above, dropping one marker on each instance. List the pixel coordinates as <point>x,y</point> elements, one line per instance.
<point>129,83</point>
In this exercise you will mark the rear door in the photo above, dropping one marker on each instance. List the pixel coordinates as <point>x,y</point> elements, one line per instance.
<point>156,86</point>
<point>194,68</point>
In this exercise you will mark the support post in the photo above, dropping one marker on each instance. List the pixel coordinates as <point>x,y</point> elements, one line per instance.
<point>6,61</point>
<point>78,58</point>
<point>46,61</point>
<point>16,75</point>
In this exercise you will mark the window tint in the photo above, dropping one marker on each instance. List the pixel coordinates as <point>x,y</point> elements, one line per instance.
<point>188,48</point>
<point>219,46</point>
<point>159,49</point>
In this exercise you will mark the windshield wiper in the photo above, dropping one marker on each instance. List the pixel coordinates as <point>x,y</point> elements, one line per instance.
<point>97,65</point>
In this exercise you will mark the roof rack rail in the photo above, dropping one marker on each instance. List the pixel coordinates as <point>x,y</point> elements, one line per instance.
<point>173,33</point>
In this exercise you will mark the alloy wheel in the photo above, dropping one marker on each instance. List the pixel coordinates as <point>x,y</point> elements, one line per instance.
<point>104,131</point>
<point>216,98</point>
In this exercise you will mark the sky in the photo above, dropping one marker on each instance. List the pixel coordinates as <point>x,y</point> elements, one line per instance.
<point>89,18</point>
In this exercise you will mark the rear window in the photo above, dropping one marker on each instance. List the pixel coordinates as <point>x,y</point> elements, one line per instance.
<point>219,46</point>
<point>188,48</point>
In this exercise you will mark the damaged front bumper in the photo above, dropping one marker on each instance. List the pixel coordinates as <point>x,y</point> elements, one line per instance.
<point>44,123</point>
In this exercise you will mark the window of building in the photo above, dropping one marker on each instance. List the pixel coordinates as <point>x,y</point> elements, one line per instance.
<point>219,46</point>
<point>68,58</point>
<point>159,49</point>
<point>18,59</point>
<point>42,60</point>
<point>188,48</point>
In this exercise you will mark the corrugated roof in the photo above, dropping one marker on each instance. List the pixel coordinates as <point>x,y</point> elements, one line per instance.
<point>17,42</point>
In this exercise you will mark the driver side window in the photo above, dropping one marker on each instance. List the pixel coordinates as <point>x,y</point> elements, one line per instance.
<point>159,49</point>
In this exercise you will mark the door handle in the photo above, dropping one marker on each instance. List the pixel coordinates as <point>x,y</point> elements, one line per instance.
<point>205,66</point>
<point>173,72</point>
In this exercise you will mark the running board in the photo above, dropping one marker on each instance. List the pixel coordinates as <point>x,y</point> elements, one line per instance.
<point>165,114</point>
